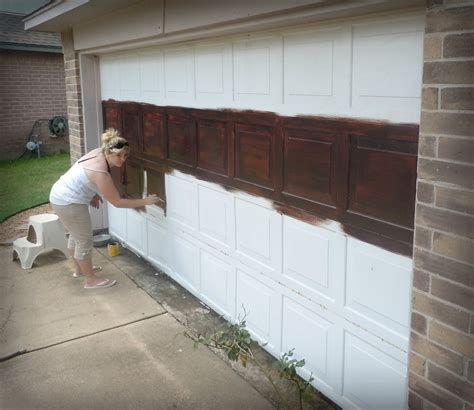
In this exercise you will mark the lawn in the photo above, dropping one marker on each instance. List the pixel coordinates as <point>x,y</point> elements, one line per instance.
<point>25,183</point>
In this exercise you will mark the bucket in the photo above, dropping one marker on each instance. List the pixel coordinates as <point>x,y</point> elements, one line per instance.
<point>113,249</point>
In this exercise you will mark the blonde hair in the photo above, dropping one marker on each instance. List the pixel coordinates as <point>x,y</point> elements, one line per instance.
<point>110,138</point>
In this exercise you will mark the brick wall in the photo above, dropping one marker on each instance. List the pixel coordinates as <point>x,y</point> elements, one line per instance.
<point>441,362</point>
<point>31,88</point>
<point>74,97</point>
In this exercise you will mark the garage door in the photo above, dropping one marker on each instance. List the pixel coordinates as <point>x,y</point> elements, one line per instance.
<point>341,303</point>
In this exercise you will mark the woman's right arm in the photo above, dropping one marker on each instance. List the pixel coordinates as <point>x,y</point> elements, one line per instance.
<point>108,190</point>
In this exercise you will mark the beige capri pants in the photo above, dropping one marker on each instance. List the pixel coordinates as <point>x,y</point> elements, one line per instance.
<point>77,220</point>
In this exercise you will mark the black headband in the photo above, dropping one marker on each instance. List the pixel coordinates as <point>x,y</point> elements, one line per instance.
<point>117,145</point>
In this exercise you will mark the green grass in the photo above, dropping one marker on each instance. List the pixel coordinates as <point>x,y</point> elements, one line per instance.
<point>25,183</point>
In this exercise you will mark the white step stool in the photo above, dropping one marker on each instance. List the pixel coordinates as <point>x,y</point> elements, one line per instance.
<point>45,233</point>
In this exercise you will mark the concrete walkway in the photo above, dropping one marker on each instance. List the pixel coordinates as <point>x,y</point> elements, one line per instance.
<point>104,348</point>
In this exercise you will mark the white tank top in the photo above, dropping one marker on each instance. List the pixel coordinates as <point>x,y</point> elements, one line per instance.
<point>74,187</point>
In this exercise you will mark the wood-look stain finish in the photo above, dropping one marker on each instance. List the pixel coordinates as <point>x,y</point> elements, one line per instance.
<point>134,179</point>
<point>359,173</point>
<point>132,125</point>
<point>154,135</point>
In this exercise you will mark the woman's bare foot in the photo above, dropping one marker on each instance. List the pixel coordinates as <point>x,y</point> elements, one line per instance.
<point>79,274</point>
<point>97,283</point>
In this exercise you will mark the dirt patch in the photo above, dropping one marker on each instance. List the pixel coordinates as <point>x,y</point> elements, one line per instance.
<point>17,225</point>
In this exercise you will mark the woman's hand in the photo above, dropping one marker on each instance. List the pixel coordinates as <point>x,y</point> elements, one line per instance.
<point>151,200</point>
<point>95,201</point>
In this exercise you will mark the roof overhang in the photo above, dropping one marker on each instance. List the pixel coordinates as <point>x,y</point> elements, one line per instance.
<point>60,15</point>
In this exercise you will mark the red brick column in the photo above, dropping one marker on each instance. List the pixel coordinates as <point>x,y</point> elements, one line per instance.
<point>73,97</point>
<point>441,362</point>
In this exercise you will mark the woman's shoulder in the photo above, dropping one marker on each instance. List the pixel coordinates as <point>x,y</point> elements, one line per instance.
<point>94,161</point>
<point>91,154</point>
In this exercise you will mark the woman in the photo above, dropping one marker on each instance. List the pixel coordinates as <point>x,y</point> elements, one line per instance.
<point>80,187</point>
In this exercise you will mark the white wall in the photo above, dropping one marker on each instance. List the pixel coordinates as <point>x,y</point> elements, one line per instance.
<point>359,68</point>
<point>342,304</point>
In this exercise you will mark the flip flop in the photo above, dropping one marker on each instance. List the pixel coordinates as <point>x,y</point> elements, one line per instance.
<point>106,283</point>
<point>81,275</point>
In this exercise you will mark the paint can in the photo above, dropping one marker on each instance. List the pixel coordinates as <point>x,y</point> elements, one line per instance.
<point>113,248</point>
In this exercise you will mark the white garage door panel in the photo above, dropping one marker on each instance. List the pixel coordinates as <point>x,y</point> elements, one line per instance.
<point>158,245</point>
<point>179,71</point>
<point>372,378</point>
<point>181,198</point>
<point>387,82</point>
<point>109,77</point>
<point>257,72</point>
<point>378,288</point>
<point>129,77</point>
<point>316,344</point>
<point>136,231</point>
<point>185,263</point>
<point>312,262</point>
<point>316,69</point>
<point>213,66</point>
<point>258,303</point>
<point>258,235</point>
<point>216,222</point>
<point>218,283</point>
<point>117,222</point>
<point>151,77</point>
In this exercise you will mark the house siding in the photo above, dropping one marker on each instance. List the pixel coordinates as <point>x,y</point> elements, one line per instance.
<point>441,344</point>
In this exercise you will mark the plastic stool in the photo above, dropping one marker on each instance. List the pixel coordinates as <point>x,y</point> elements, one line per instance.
<point>45,233</point>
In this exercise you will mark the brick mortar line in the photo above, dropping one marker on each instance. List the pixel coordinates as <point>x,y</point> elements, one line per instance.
<point>417,395</point>
<point>447,161</point>
<point>443,209</point>
<point>435,230</point>
<point>447,85</point>
<point>446,257</point>
<point>448,59</point>
<point>444,86</point>
<point>447,302</point>
<point>444,34</point>
<point>449,136</point>
<point>423,399</point>
<point>452,328</point>
<point>429,278</point>
<point>462,377</point>
<point>454,236</point>
<point>447,111</point>
<point>462,399</point>
<point>434,342</point>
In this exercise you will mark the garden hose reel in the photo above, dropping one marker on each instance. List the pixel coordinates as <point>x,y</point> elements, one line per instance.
<point>57,126</point>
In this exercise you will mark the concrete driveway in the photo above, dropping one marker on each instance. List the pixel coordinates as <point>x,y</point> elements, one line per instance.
<point>102,348</point>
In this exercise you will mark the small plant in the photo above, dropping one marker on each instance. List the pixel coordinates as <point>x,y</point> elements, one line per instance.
<point>286,367</point>
<point>234,339</point>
